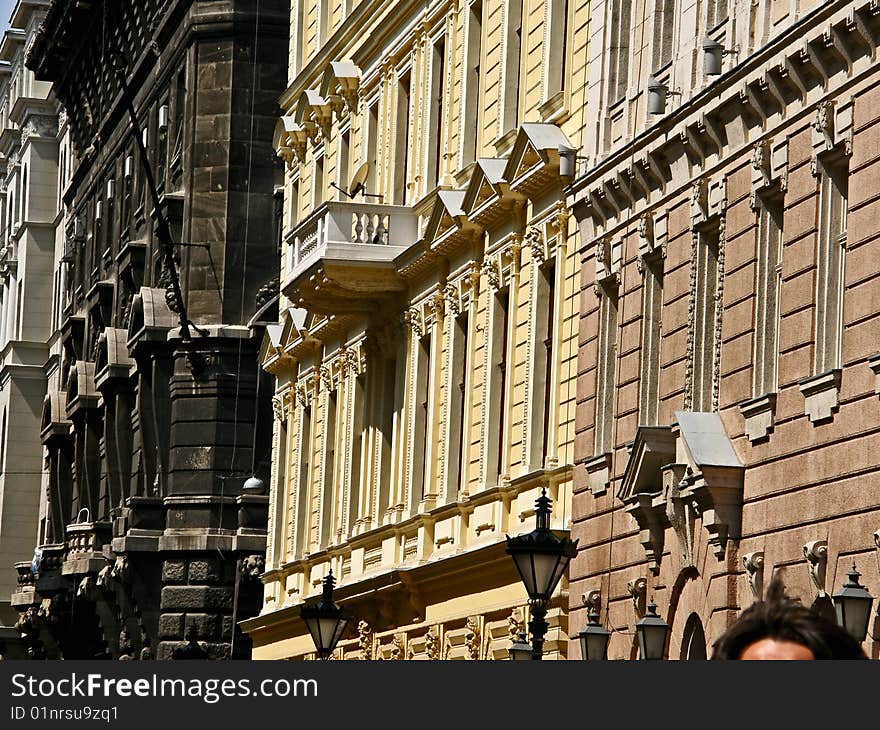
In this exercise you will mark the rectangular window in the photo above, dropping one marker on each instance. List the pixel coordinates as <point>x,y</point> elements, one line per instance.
<point>422,428</point>
<point>502,322</point>
<point>401,148</point>
<point>606,365</point>
<point>372,148</point>
<point>664,27</point>
<point>389,406</point>
<point>548,280</point>
<point>19,310</point>
<point>652,307</point>
<point>618,44</point>
<point>513,60</point>
<point>359,433</point>
<point>831,245</point>
<point>304,481</point>
<point>557,52</point>
<point>457,404</point>
<point>438,71</point>
<point>343,177</point>
<point>318,182</point>
<point>716,13</point>
<point>328,486</point>
<point>472,82</point>
<point>705,311</point>
<point>767,286</point>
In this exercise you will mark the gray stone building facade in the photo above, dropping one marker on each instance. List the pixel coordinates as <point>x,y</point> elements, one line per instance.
<point>28,206</point>
<point>150,531</point>
<point>727,421</point>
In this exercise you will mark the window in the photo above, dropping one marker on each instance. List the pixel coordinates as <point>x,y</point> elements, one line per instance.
<point>401,149</point>
<point>497,387</point>
<point>323,20</point>
<point>179,108</point>
<point>390,415</point>
<point>421,432</point>
<point>19,310</point>
<point>457,404</point>
<point>512,61</point>
<point>831,244</point>
<point>359,433</point>
<point>472,84</point>
<point>24,195</point>
<point>372,148</point>
<point>328,486</point>
<point>3,434</point>
<point>557,51</point>
<point>652,307</point>
<point>438,66</point>
<point>767,286</point>
<point>343,178</point>
<point>547,280</point>
<point>705,311</point>
<point>618,44</point>
<point>318,182</point>
<point>606,365</point>
<point>304,481</point>
<point>664,28</point>
<point>716,13</point>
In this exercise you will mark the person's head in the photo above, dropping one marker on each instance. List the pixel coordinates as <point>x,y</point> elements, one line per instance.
<point>781,628</point>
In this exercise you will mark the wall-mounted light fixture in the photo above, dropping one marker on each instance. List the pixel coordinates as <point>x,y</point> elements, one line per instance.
<point>111,189</point>
<point>657,93</point>
<point>568,159</point>
<point>163,117</point>
<point>713,53</point>
<point>128,167</point>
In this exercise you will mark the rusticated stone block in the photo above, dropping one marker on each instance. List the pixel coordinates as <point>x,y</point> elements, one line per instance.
<point>171,626</point>
<point>198,598</point>
<point>205,571</point>
<point>206,624</point>
<point>174,571</point>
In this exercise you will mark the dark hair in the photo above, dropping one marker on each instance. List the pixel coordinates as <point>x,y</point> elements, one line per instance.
<point>782,618</point>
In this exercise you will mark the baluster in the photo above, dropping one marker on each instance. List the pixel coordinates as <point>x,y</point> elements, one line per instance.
<point>370,228</point>
<point>358,228</point>
<point>381,230</point>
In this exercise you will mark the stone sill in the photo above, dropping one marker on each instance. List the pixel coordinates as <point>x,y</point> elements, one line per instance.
<point>599,473</point>
<point>759,414</point>
<point>821,393</point>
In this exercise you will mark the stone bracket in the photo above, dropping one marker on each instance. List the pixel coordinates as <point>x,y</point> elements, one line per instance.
<point>759,414</point>
<point>599,473</point>
<point>754,565</point>
<point>649,512</point>
<point>821,393</point>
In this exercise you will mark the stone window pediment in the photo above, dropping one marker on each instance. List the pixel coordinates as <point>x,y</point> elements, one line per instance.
<point>534,160</point>
<point>448,223</point>
<point>678,473</point>
<point>485,190</point>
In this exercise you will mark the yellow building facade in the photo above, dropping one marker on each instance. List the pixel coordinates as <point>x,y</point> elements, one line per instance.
<point>425,360</point>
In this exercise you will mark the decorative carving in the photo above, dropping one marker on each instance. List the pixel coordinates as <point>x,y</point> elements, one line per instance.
<point>493,273</point>
<point>816,553</point>
<point>824,121</point>
<point>638,590</point>
<point>396,647</point>
<point>435,305</point>
<point>679,511</point>
<point>326,377</point>
<point>431,644</point>
<point>453,301</point>
<point>365,640</point>
<point>278,407</point>
<point>534,240</point>
<point>126,648</point>
<point>413,318</point>
<point>698,199</point>
<point>754,565</point>
<point>592,598</point>
<point>759,156</point>
<point>515,624</point>
<point>472,638</point>
<point>253,566</point>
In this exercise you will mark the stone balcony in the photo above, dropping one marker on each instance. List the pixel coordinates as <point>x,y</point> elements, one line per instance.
<point>341,257</point>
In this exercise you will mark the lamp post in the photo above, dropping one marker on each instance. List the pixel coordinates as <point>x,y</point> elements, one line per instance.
<point>852,603</point>
<point>652,632</point>
<point>541,558</point>
<point>594,639</point>
<point>325,620</point>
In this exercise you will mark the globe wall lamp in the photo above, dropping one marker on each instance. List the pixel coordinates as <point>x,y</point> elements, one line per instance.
<point>325,620</point>
<point>541,558</point>
<point>852,603</point>
<point>652,632</point>
<point>594,639</point>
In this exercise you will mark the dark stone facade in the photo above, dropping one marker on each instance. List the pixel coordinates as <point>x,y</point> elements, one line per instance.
<point>149,437</point>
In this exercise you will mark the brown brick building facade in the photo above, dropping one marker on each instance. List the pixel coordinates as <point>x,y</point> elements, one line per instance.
<point>728,423</point>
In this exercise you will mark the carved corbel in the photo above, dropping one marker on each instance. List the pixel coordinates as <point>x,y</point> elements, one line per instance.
<point>679,511</point>
<point>534,240</point>
<point>592,599</point>
<point>652,521</point>
<point>638,591</point>
<point>754,565</point>
<point>365,640</point>
<point>698,200</point>
<point>816,553</point>
<point>413,317</point>
<point>492,271</point>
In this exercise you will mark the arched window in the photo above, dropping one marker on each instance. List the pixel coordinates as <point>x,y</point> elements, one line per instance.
<point>693,642</point>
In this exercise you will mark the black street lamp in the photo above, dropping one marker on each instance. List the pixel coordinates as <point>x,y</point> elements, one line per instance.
<point>521,648</point>
<point>852,604</point>
<point>594,639</point>
<point>652,632</point>
<point>325,620</point>
<point>541,558</point>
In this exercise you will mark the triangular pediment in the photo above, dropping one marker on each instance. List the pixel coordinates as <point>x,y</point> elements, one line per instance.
<point>652,449</point>
<point>293,322</point>
<point>446,213</point>
<point>485,183</point>
<point>536,146</point>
